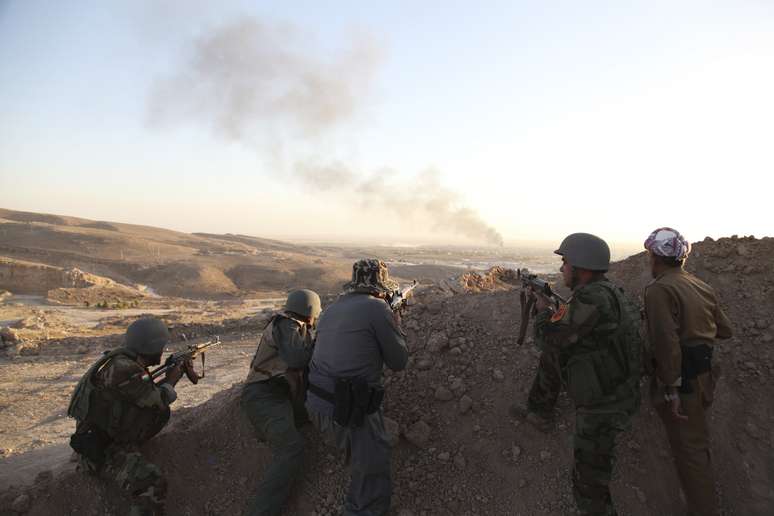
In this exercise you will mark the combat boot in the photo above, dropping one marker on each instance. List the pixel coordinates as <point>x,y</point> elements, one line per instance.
<point>539,420</point>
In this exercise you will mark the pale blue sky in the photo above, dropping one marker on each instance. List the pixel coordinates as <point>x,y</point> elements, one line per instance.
<point>546,117</point>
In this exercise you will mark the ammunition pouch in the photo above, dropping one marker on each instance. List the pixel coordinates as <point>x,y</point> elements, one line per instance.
<point>353,399</point>
<point>696,360</point>
<point>591,377</point>
<point>92,445</point>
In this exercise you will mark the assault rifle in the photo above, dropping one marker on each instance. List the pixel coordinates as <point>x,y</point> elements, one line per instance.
<point>397,299</point>
<point>532,286</point>
<point>186,358</point>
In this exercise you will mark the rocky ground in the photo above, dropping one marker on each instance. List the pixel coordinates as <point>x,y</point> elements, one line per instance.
<point>456,449</point>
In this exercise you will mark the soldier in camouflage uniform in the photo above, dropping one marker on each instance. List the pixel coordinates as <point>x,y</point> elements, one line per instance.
<point>596,338</point>
<point>117,408</point>
<point>544,392</point>
<point>273,396</point>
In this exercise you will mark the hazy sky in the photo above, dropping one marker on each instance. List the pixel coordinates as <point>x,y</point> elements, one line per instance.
<point>392,121</point>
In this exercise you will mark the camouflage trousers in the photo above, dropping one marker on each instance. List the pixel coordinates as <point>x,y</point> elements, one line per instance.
<point>143,480</point>
<point>596,430</point>
<point>546,385</point>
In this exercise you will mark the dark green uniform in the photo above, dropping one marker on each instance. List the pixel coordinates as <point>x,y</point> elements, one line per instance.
<point>546,385</point>
<point>272,399</point>
<point>118,408</point>
<point>599,352</point>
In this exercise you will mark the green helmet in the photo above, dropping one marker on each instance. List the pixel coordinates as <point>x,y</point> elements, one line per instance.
<point>585,251</point>
<point>147,336</point>
<point>304,302</point>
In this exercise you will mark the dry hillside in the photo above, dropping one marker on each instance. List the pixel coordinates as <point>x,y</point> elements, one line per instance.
<point>457,451</point>
<point>199,266</point>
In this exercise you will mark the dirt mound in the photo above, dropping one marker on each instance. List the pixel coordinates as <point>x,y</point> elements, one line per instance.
<point>458,451</point>
<point>496,278</point>
<point>24,277</point>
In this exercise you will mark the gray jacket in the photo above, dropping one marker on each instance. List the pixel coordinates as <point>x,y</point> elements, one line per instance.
<point>356,337</point>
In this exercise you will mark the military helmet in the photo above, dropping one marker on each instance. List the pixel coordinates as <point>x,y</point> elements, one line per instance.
<point>147,336</point>
<point>585,251</point>
<point>304,302</point>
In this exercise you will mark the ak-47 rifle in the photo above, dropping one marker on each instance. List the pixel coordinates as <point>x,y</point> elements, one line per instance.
<point>186,358</point>
<point>532,286</point>
<point>397,299</point>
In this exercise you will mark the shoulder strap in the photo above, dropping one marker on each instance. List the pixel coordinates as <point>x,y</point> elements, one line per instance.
<point>80,399</point>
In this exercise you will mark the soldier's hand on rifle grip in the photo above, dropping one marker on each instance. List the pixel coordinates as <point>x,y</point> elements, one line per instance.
<point>396,317</point>
<point>174,374</point>
<point>541,301</point>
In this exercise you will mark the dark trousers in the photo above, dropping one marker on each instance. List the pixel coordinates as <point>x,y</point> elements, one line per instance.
<point>368,451</point>
<point>268,407</point>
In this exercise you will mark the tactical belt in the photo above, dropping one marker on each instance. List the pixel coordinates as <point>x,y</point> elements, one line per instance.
<point>352,400</point>
<point>322,393</point>
<point>696,360</point>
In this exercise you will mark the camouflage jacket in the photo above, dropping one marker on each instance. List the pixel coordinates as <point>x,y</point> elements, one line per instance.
<point>597,338</point>
<point>125,403</point>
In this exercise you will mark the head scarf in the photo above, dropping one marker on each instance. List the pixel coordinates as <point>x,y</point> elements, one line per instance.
<point>669,243</point>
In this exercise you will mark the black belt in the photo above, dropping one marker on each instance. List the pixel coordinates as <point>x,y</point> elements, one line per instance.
<point>322,393</point>
<point>696,360</point>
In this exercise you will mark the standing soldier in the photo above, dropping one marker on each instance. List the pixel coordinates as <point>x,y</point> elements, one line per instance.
<point>273,396</point>
<point>543,394</point>
<point>356,337</point>
<point>118,407</point>
<point>683,321</point>
<point>596,336</point>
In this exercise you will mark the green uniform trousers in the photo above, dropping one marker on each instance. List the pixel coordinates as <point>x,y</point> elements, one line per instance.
<point>268,407</point>
<point>596,429</point>
<point>689,441</point>
<point>546,385</point>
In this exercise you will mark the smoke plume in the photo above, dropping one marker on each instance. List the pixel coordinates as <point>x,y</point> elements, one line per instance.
<point>261,85</point>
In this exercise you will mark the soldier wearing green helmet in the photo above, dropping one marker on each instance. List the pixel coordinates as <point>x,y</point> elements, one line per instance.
<point>118,407</point>
<point>596,341</point>
<point>273,396</point>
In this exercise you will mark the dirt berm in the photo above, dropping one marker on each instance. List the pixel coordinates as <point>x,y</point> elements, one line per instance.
<point>458,451</point>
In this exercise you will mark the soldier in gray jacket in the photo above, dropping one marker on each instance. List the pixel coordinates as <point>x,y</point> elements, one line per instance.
<point>273,396</point>
<point>356,337</point>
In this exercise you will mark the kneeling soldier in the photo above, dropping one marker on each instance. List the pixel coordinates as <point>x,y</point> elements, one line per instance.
<point>118,407</point>
<point>273,396</point>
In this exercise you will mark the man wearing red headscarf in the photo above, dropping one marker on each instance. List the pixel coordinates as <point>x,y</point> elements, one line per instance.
<point>683,321</point>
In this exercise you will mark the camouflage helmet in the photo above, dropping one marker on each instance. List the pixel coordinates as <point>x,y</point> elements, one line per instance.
<point>370,276</point>
<point>304,302</point>
<point>585,251</point>
<point>147,336</point>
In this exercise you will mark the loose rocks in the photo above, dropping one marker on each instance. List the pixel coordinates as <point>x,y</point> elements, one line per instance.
<point>443,394</point>
<point>466,402</point>
<point>418,434</point>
